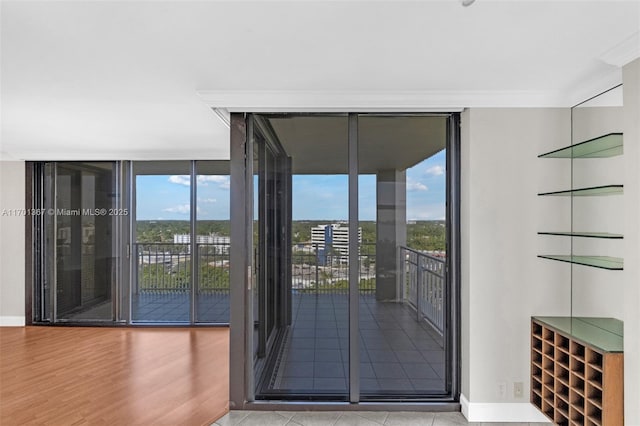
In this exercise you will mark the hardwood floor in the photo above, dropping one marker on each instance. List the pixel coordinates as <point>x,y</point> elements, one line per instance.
<point>113,376</point>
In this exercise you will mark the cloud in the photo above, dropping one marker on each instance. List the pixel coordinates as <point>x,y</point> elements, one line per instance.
<point>437,170</point>
<point>203,180</point>
<point>180,179</point>
<point>181,209</point>
<point>207,200</point>
<point>222,181</point>
<point>414,185</point>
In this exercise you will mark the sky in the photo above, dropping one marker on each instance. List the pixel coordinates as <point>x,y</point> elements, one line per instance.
<point>315,197</point>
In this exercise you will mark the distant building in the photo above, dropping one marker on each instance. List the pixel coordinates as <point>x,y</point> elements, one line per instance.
<point>220,243</point>
<point>332,240</point>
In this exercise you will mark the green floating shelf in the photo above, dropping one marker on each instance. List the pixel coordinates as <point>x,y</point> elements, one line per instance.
<point>609,145</point>
<point>584,234</point>
<point>602,333</point>
<point>603,262</point>
<point>591,191</point>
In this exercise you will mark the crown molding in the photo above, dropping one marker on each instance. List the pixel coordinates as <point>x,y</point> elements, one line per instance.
<point>595,85</point>
<point>624,52</point>
<point>376,101</point>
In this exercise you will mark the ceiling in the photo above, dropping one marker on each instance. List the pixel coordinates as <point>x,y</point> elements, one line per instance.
<point>134,80</point>
<point>319,145</point>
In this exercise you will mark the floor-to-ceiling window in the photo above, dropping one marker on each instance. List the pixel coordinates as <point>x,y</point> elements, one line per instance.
<point>131,242</point>
<point>372,282</point>
<point>78,211</point>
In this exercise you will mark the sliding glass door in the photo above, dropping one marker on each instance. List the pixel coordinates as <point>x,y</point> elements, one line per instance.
<point>161,250</point>
<point>272,298</point>
<point>81,207</point>
<point>141,243</point>
<point>351,290</point>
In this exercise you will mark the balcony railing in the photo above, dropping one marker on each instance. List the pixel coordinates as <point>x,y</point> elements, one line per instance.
<point>423,286</point>
<point>166,268</point>
<point>325,270</point>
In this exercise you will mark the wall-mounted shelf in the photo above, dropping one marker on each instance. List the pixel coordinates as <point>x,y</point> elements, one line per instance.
<point>593,191</point>
<point>583,234</point>
<point>609,145</point>
<point>603,262</point>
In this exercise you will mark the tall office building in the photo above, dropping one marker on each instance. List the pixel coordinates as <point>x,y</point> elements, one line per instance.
<point>333,240</point>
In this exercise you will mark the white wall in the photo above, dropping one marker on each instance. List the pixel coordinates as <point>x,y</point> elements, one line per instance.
<point>12,234</point>
<point>631,88</point>
<point>503,281</point>
<point>597,292</point>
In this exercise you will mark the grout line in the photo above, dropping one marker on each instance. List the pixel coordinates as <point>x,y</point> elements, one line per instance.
<point>336,422</point>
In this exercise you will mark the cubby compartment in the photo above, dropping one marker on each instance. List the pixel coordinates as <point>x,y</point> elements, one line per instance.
<point>572,381</point>
<point>593,414</point>
<point>562,392</point>
<point>576,417</point>
<point>536,330</point>
<point>576,399</point>
<point>562,374</point>
<point>577,369</point>
<point>547,379</point>
<point>562,343</point>
<point>577,351</point>
<point>594,395</point>
<point>548,349</point>
<point>562,408</point>
<point>594,375</point>
<point>576,382</point>
<point>594,358</point>
<point>562,357</point>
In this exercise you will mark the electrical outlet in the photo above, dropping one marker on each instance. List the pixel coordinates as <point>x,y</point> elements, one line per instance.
<point>502,390</point>
<point>518,389</point>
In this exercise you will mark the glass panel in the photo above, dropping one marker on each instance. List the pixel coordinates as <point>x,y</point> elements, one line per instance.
<point>49,224</point>
<point>593,191</point>
<point>585,234</point>
<point>213,241</point>
<point>604,262</point>
<point>85,214</point>
<point>596,291</point>
<point>402,195</point>
<point>161,291</point>
<point>601,147</point>
<point>603,333</point>
<point>313,355</point>
<point>256,247</point>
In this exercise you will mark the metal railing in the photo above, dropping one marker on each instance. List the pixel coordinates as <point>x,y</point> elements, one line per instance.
<point>325,270</point>
<point>166,267</point>
<point>423,286</point>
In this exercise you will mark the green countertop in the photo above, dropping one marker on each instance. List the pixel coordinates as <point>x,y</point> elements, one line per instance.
<point>605,334</point>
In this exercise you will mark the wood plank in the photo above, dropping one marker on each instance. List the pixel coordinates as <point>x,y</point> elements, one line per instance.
<point>90,375</point>
<point>613,389</point>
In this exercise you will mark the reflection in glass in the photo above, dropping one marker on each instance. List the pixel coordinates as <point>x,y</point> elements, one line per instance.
<point>85,203</point>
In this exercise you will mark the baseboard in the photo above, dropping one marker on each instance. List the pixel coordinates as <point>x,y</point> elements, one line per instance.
<point>6,321</point>
<point>501,412</point>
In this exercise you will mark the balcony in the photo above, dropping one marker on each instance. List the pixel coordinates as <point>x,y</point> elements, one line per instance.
<point>402,347</point>
<point>164,279</point>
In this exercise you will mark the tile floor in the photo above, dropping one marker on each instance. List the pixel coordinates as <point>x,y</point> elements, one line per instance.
<point>398,354</point>
<point>174,307</point>
<point>348,418</point>
<point>166,307</point>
